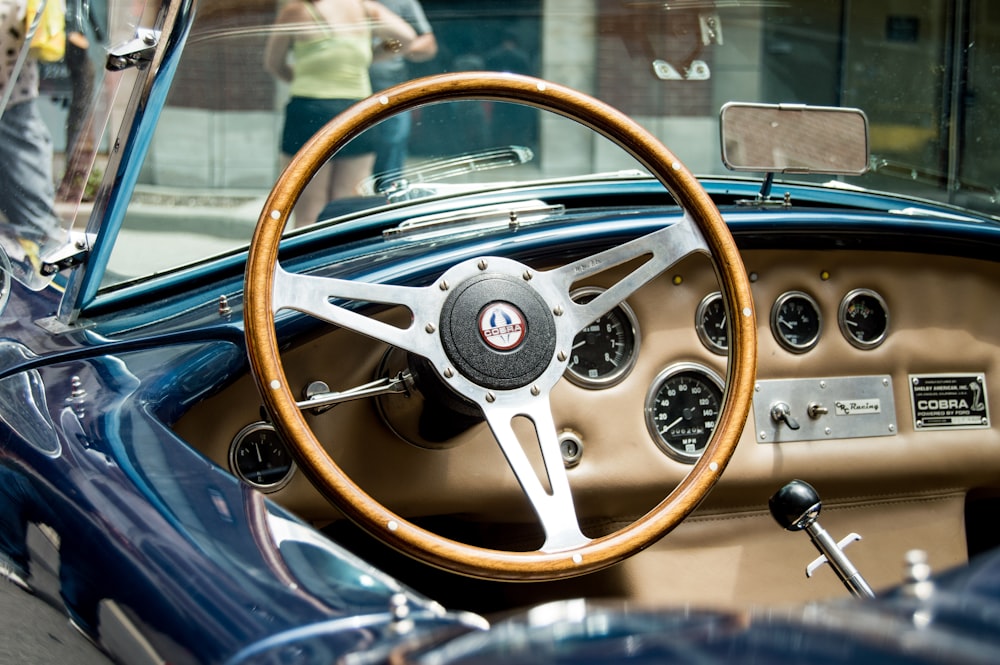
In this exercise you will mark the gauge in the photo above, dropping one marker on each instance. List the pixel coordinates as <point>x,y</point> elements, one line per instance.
<point>259,456</point>
<point>682,408</point>
<point>711,323</point>
<point>863,318</point>
<point>604,352</point>
<point>796,321</point>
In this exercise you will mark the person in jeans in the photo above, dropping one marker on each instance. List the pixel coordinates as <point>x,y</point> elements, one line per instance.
<point>27,190</point>
<point>388,69</point>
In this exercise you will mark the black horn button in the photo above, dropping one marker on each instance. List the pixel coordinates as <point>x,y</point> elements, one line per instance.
<point>498,332</point>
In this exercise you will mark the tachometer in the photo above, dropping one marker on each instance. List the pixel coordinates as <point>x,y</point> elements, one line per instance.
<point>682,408</point>
<point>259,456</point>
<point>863,318</point>
<point>604,352</point>
<point>796,321</point>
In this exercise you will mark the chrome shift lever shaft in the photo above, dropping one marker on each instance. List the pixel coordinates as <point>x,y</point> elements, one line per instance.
<point>796,507</point>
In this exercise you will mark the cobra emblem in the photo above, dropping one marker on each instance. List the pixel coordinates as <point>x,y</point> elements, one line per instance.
<point>502,326</point>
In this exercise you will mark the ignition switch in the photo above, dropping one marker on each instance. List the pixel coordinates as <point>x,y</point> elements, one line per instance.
<point>571,448</point>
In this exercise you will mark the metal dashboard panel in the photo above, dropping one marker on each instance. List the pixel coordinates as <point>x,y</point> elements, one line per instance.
<point>824,408</point>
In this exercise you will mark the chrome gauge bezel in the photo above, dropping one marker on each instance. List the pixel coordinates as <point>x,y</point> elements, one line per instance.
<point>845,329</point>
<point>710,376</point>
<point>234,447</point>
<point>699,324</point>
<point>779,303</point>
<point>5,284</point>
<point>618,375</point>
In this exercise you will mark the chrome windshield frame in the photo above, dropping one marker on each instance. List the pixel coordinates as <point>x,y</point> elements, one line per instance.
<point>149,92</point>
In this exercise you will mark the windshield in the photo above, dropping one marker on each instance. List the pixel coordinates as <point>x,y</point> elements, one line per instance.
<point>58,105</point>
<point>255,75</point>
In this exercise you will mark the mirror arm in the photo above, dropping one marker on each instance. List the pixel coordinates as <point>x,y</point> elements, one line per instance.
<point>765,187</point>
<point>763,197</point>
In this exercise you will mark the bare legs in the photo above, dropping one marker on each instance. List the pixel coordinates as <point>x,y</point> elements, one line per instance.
<point>337,179</point>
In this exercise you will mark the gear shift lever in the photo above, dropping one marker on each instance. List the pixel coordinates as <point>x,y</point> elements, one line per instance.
<point>795,507</point>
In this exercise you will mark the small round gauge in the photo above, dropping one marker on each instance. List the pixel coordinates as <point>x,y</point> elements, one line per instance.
<point>711,323</point>
<point>604,352</point>
<point>259,456</point>
<point>682,408</point>
<point>863,318</point>
<point>796,321</point>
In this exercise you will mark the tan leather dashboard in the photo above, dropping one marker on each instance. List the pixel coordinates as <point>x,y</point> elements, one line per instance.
<point>943,320</point>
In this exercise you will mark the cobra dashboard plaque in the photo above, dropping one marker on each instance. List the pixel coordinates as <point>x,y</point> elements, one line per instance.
<point>949,401</point>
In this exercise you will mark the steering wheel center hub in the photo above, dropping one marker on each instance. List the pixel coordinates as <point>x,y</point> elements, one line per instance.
<point>498,332</point>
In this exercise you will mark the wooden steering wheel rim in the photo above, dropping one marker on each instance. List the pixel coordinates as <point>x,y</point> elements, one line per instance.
<point>265,363</point>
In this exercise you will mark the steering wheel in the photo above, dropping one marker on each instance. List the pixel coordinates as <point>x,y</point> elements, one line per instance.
<point>499,334</point>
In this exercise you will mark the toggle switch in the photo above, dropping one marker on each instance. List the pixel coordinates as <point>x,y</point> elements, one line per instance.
<point>781,413</point>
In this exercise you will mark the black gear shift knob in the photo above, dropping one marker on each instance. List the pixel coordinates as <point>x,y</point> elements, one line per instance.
<point>795,506</point>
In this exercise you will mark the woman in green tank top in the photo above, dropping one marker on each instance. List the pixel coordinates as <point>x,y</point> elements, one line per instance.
<point>323,49</point>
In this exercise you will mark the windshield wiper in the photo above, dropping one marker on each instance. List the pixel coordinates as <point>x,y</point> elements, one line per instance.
<point>906,171</point>
<point>512,215</point>
<point>401,185</point>
<point>933,177</point>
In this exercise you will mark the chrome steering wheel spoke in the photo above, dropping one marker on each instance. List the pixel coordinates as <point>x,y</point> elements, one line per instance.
<point>550,496</point>
<point>664,248</point>
<point>314,296</point>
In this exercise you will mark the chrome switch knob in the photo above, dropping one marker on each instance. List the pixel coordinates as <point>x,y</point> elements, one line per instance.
<point>782,413</point>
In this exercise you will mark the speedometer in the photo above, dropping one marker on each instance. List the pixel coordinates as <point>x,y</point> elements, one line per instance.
<point>682,409</point>
<point>605,351</point>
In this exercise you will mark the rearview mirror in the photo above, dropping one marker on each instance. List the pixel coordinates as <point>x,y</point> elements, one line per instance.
<point>792,138</point>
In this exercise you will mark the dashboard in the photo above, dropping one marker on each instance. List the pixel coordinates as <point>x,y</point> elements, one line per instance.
<point>875,376</point>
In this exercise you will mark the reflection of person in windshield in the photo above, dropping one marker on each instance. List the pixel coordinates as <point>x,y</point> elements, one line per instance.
<point>389,68</point>
<point>27,192</point>
<point>322,49</point>
<point>80,144</point>
<point>512,124</point>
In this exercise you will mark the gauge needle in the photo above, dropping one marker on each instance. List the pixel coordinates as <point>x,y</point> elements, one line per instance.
<point>671,425</point>
<point>722,324</point>
<point>582,342</point>
<point>850,323</point>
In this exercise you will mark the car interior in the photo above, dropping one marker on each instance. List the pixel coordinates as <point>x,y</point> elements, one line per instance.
<point>876,354</point>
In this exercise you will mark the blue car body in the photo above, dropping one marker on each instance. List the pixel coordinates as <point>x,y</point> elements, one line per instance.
<point>154,552</point>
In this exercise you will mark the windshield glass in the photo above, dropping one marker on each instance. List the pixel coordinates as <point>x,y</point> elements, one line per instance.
<point>58,105</point>
<point>254,76</point>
